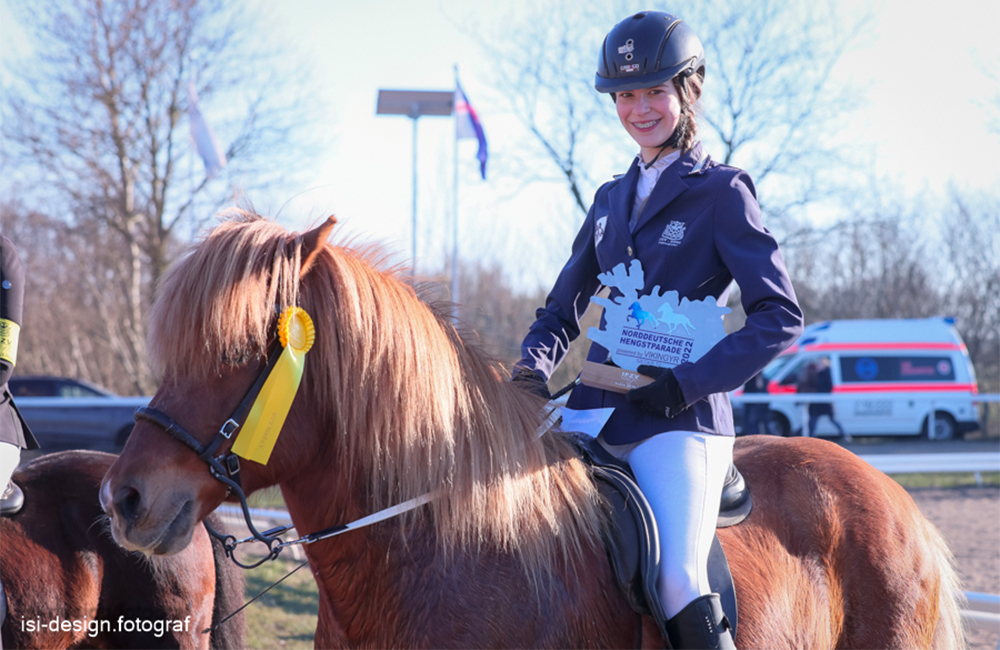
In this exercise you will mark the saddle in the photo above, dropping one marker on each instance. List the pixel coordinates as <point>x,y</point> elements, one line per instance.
<point>632,541</point>
<point>11,500</point>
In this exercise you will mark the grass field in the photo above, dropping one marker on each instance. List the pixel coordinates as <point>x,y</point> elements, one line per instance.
<point>284,617</point>
<point>946,479</point>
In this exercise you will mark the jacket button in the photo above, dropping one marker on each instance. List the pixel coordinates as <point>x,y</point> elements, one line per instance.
<point>629,251</point>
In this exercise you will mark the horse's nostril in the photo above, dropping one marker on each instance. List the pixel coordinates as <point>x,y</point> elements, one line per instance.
<point>128,503</point>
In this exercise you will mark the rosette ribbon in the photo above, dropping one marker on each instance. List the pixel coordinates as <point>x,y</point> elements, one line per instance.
<point>269,411</point>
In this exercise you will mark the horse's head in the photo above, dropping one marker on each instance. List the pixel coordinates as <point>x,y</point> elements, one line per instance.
<point>213,335</point>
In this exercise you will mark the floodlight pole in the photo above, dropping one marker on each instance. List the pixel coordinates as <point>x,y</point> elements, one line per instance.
<point>414,114</point>
<point>413,104</point>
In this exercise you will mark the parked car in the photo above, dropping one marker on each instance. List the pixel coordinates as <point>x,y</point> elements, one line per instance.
<point>66,413</point>
<point>895,371</point>
<point>44,386</point>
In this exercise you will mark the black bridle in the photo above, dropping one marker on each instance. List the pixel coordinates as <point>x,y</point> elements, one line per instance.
<point>225,466</point>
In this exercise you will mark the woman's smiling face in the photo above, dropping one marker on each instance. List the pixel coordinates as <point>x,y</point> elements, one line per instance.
<point>650,116</point>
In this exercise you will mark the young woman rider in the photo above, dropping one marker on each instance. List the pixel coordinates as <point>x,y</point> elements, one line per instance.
<point>695,226</point>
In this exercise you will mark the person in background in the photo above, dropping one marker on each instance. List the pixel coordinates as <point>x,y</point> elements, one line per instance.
<point>822,382</point>
<point>695,226</point>
<point>14,432</point>
<point>755,414</point>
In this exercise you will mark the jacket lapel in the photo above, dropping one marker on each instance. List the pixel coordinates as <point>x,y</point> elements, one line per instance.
<point>620,201</point>
<point>669,185</point>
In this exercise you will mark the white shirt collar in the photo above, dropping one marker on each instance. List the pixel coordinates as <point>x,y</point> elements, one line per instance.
<point>649,177</point>
<point>662,162</point>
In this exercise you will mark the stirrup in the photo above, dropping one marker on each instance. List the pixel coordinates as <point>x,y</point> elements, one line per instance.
<point>12,499</point>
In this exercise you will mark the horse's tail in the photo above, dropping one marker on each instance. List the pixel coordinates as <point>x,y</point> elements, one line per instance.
<point>229,595</point>
<point>948,633</point>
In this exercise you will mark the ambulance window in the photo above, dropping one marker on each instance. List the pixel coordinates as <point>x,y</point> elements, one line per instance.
<point>792,378</point>
<point>772,369</point>
<point>901,368</point>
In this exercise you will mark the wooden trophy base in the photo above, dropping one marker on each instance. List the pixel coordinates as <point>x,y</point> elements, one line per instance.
<point>618,380</point>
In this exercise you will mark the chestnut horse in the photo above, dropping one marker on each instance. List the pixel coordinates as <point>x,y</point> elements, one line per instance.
<point>396,404</point>
<point>69,585</point>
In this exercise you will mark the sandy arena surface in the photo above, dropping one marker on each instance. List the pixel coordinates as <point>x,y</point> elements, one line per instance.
<point>969,519</point>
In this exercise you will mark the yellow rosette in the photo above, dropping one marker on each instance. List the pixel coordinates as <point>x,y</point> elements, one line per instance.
<point>267,415</point>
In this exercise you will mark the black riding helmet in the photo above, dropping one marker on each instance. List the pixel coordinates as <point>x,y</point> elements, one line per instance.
<point>648,49</point>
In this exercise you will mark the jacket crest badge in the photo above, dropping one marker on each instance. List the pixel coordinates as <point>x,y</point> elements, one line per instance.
<point>672,234</point>
<point>599,227</point>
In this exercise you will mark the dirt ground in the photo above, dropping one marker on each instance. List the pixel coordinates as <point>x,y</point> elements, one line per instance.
<point>969,519</point>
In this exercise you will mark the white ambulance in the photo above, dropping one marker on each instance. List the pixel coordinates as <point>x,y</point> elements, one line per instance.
<point>891,373</point>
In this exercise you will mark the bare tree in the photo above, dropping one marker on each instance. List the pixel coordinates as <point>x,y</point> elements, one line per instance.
<point>546,72</point>
<point>769,104</point>
<point>74,315</point>
<point>770,99</point>
<point>971,279</point>
<point>868,269</point>
<point>96,127</point>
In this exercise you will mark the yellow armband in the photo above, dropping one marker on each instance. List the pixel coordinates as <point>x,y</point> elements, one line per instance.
<point>9,331</point>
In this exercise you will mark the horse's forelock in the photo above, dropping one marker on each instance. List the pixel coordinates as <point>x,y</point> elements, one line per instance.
<point>221,300</point>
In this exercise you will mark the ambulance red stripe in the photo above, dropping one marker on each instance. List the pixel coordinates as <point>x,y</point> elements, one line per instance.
<point>870,347</point>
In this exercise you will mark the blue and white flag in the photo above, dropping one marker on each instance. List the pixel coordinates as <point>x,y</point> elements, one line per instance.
<point>467,125</point>
<point>204,139</point>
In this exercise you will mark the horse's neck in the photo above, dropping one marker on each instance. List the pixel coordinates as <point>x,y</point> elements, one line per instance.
<point>356,572</point>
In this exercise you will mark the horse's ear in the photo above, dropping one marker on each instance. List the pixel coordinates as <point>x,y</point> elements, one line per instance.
<point>313,242</point>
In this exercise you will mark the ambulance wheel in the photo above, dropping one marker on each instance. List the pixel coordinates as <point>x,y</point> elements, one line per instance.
<point>777,424</point>
<point>944,427</point>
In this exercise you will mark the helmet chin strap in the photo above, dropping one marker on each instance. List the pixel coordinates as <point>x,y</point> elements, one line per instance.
<point>674,141</point>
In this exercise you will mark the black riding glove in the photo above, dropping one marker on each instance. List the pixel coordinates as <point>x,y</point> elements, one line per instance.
<point>663,396</point>
<point>532,382</point>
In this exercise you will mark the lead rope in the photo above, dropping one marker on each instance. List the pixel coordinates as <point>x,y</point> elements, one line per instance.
<point>209,630</point>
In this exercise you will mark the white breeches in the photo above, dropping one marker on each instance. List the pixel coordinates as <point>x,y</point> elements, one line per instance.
<point>681,473</point>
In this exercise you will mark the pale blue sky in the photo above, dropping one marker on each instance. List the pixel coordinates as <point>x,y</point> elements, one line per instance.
<point>923,123</point>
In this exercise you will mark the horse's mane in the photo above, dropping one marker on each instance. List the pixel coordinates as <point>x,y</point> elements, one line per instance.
<point>409,402</point>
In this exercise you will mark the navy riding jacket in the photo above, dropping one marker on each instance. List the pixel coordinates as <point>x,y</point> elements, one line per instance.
<point>699,230</point>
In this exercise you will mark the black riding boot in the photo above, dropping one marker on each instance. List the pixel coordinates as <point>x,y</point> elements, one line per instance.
<point>701,625</point>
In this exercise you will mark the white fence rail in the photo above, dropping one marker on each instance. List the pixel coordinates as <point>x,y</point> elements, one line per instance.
<point>924,463</point>
<point>982,611</point>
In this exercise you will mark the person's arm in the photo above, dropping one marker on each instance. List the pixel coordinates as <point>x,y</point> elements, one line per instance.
<point>557,324</point>
<point>774,319</point>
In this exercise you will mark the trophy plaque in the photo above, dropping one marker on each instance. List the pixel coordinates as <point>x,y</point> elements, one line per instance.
<point>654,329</point>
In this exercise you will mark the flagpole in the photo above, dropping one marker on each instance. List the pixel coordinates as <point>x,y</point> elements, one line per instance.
<point>413,254</point>
<point>454,216</point>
